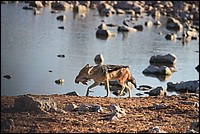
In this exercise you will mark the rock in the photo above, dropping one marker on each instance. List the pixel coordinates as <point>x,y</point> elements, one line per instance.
<point>37,12</point>
<point>148,23</point>
<point>61,27</point>
<point>157,23</point>
<point>37,4</point>
<point>120,11</point>
<point>70,107</point>
<point>61,17</point>
<point>138,27</point>
<point>29,103</point>
<point>7,124</point>
<point>103,26</point>
<point>195,104</point>
<point>104,33</point>
<point>62,5</point>
<point>116,108</point>
<point>174,24</point>
<point>144,87</point>
<point>156,13</point>
<point>194,126</point>
<point>155,129</point>
<point>157,91</point>
<point>171,36</point>
<point>55,11</point>
<point>61,55</point>
<point>188,86</point>
<point>159,106</point>
<point>60,81</point>
<point>80,8</point>
<point>169,59</point>
<point>28,8</point>
<point>130,11</point>
<point>96,108</point>
<point>74,93</point>
<point>90,108</point>
<point>197,68</point>
<point>8,76</point>
<point>126,29</point>
<point>138,94</point>
<point>162,70</point>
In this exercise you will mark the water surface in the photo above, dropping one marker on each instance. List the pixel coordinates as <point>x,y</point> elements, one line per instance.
<point>30,45</point>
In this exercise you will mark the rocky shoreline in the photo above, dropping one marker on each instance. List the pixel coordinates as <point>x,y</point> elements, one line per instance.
<point>69,113</point>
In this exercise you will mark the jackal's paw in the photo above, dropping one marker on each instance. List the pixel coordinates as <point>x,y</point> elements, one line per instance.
<point>106,96</point>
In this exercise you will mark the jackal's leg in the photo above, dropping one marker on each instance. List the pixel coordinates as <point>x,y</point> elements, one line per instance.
<point>121,93</point>
<point>91,86</point>
<point>129,90</point>
<point>107,86</point>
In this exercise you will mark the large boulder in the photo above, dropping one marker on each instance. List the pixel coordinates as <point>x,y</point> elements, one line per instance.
<point>29,103</point>
<point>157,70</point>
<point>188,86</point>
<point>158,91</point>
<point>169,59</point>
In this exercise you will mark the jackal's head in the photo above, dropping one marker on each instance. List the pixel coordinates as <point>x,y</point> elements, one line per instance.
<point>84,74</point>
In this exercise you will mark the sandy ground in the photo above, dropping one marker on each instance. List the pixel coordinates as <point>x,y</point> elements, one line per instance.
<point>142,113</point>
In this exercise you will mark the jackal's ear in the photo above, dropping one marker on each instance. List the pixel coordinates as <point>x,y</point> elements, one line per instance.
<point>89,71</point>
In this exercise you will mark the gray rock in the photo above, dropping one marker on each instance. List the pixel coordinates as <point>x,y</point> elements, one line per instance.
<point>104,33</point>
<point>102,26</point>
<point>174,24</point>
<point>61,17</point>
<point>90,108</point>
<point>60,81</point>
<point>116,108</point>
<point>8,76</point>
<point>7,124</point>
<point>156,129</point>
<point>62,5</point>
<point>73,93</point>
<point>37,4</point>
<point>29,103</point>
<point>70,107</point>
<point>188,86</point>
<point>148,23</point>
<point>157,91</point>
<point>171,36</point>
<point>126,29</point>
<point>162,70</point>
<point>80,8</point>
<point>164,59</point>
<point>138,27</point>
<point>194,127</point>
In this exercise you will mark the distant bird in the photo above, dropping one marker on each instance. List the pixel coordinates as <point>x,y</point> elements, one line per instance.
<point>125,23</point>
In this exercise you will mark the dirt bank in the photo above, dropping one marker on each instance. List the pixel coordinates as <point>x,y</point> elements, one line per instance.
<point>171,114</point>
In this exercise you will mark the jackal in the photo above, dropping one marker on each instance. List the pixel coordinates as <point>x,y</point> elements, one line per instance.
<point>104,74</point>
